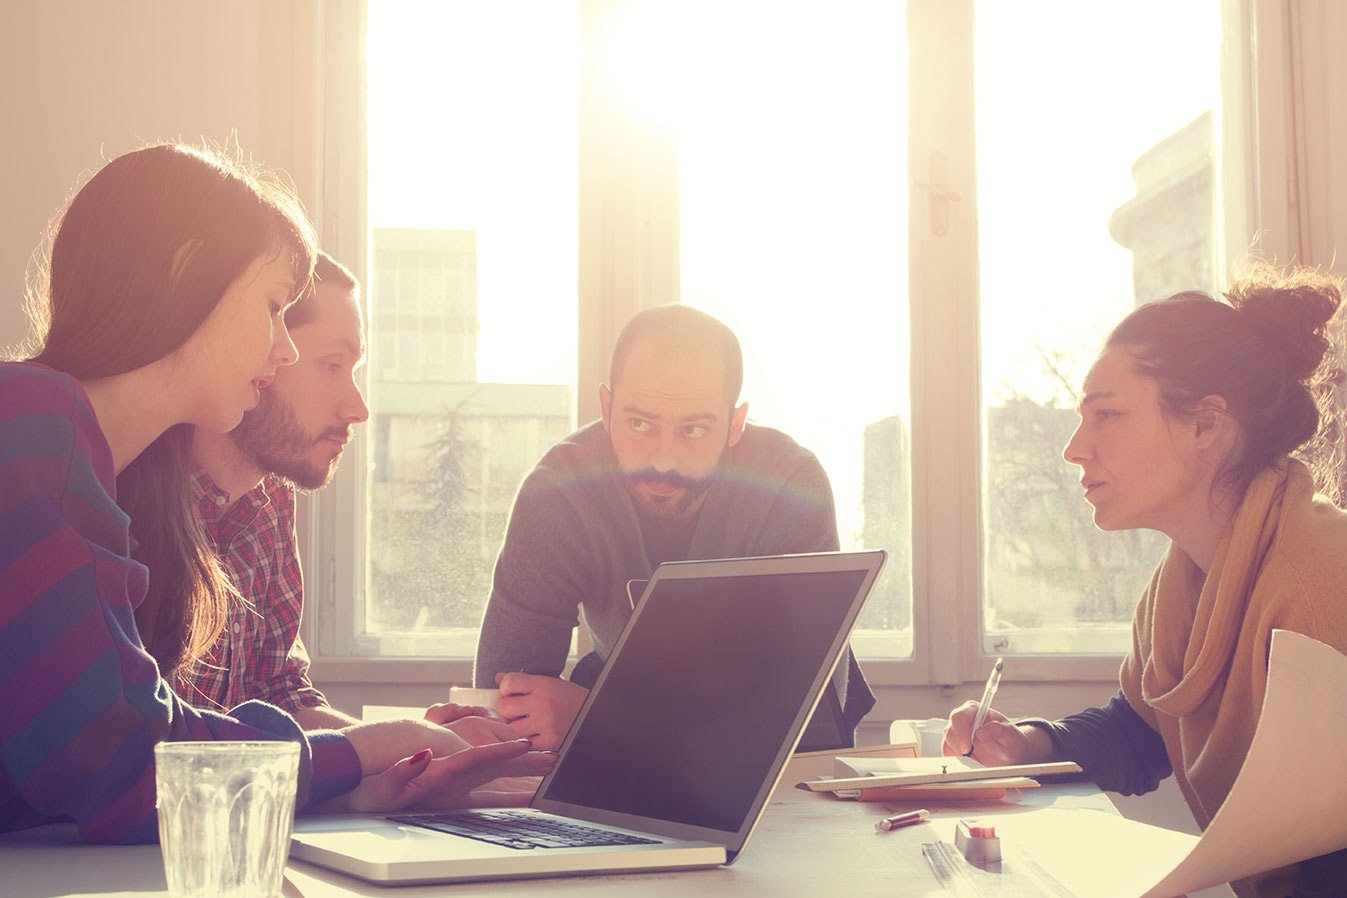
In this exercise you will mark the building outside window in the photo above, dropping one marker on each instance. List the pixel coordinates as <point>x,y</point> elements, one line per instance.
<point>921,219</point>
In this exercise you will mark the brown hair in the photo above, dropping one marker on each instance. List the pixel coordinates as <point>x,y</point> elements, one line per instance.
<point>326,270</point>
<point>140,258</point>
<point>1261,351</point>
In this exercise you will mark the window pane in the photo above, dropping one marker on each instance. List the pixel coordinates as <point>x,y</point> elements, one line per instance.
<point>1097,191</point>
<point>472,152</point>
<point>793,219</point>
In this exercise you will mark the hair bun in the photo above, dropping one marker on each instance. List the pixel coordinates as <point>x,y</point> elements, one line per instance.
<point>1291,311</point>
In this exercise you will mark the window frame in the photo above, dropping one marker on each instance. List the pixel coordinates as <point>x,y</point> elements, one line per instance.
<point>628,188</point>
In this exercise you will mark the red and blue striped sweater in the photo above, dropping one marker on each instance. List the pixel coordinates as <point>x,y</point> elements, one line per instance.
<point>82,703</point>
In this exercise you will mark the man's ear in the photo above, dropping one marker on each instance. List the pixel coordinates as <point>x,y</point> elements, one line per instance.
<point>737,421</point>
<point>606,406</point>
<point>1210,419</point>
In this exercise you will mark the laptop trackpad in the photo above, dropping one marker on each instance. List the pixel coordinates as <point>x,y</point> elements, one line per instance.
<point>383,842</point>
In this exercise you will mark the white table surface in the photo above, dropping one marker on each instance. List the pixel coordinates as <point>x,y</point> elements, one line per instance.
<point>804,845</point>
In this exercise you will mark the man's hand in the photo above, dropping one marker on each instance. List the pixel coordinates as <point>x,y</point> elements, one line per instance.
<point>483,730</point>
<point>478,725</point>
<point>447,712</point>
<point>383,744</point>
<point>420,781</point>
<point>998,742</point>
<point>323,717</point>
<point>539,708</point>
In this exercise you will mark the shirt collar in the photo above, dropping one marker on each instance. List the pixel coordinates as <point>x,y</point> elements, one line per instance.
<point>216,511</point>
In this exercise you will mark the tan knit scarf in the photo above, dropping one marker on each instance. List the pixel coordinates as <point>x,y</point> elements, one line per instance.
<point>1198,667</point>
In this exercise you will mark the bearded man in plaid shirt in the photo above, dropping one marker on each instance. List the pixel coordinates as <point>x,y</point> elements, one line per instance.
<point>245,488</point>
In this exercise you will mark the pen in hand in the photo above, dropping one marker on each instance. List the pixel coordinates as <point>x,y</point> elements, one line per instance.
<point>989,693</point>
<point>892,823</point>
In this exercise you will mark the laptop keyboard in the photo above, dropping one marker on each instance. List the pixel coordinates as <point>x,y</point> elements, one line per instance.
<point>511,829</point>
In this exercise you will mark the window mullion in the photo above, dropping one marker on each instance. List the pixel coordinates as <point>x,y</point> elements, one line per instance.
<point>946,475</point>
<point>628,208</point>
<point>333,527</point>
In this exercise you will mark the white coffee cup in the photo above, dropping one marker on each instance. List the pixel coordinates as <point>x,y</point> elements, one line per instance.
<point>477,698</point>
<point>931,736</point>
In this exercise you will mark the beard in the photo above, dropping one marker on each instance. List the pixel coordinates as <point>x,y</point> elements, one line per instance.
<point>666,508</point>
<point>271,437</point>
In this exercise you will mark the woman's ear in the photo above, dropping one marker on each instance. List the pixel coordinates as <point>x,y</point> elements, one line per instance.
<point>1210,419</point>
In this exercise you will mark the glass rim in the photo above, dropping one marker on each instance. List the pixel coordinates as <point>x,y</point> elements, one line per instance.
<point>283,746</point>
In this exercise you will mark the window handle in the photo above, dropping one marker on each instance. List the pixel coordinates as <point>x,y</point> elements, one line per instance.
<point>938,188</point>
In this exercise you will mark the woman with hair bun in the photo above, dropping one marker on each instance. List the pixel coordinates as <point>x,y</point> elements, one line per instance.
<point>163,307</point>
<point>1187,426</point>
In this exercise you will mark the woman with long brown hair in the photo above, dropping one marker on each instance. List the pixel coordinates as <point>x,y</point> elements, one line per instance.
<point>162,308</point>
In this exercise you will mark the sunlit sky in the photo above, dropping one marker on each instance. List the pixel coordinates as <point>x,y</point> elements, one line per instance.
<point>792,131</point>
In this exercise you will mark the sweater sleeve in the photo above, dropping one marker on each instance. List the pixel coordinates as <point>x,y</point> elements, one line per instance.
<point>1324,876</point>
<point>84,702</point>
<point>537,588</point>
<point>804,519</point>
<point>1113,746</point>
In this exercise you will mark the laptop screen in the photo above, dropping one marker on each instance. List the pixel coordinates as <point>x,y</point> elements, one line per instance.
<point>699,700</point>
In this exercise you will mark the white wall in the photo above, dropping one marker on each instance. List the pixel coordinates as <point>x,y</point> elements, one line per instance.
<point>82,82</point>
<point>1329,174</point>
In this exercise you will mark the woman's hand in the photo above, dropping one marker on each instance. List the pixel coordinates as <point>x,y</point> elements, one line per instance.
<point>423,781</point>
<point>998,742</point>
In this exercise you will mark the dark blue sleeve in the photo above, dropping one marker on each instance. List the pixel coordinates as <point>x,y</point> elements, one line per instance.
<point>1322,877</point>
<point>1113,746</point>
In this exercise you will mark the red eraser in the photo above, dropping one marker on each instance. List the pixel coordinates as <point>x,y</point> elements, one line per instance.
<point>982,832</point>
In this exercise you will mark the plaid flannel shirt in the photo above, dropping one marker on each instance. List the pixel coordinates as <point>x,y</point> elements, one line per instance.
<point>260,654</point>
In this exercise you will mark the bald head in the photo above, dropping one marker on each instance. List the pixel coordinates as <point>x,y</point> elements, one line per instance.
<point>677,331</point>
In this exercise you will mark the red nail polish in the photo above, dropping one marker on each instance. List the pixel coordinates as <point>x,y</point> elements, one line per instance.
<point>422,755</point>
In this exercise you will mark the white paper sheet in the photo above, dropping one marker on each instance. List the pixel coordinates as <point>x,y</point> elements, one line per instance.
<point>1286,804</point>
<point>1093,854</point>
<point>372,713</point>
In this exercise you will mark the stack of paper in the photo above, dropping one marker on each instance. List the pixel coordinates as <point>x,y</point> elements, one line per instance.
<point>901,779</point>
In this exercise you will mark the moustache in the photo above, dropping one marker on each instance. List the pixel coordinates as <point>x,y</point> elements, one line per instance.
<point>667,478</point>
<point>334,433</point>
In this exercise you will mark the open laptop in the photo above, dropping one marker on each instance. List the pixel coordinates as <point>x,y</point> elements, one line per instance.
<point>827,727</point>
<point>676,750</point>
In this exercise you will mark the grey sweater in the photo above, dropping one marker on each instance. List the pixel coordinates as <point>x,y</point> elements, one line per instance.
<point>574,540</point>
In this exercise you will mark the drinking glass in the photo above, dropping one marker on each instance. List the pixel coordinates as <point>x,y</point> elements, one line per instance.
<point>225,813</point>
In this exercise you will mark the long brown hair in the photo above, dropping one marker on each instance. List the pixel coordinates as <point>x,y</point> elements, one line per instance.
<point>141,257</point>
